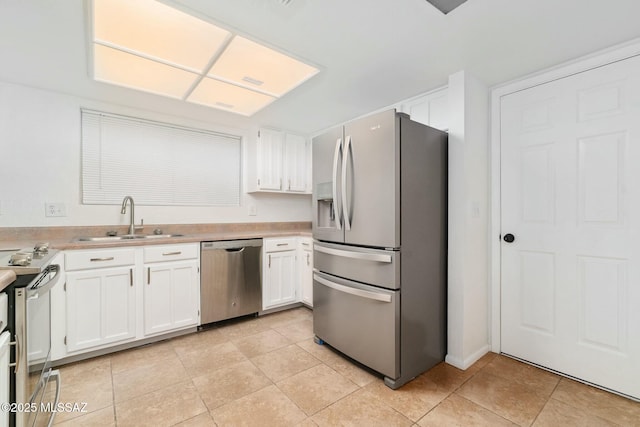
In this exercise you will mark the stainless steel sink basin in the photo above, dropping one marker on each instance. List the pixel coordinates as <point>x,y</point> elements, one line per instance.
<point>126,237</point>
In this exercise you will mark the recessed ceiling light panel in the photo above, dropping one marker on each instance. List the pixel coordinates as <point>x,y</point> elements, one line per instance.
<point>147,45</point>
<point>215,93</point>
<point>158,31</point>
<point>278,72</point>
<point>124,69</point>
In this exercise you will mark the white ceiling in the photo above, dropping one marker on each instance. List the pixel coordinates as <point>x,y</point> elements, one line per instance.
<point>372,53</point>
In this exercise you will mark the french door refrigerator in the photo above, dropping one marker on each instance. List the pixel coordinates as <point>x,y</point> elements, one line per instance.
<point>380,229</point>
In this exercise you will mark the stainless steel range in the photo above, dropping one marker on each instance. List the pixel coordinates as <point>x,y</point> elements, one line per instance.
<point>29,322</point>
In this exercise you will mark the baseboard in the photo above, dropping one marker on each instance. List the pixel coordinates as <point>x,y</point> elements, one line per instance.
<point>469,360</point>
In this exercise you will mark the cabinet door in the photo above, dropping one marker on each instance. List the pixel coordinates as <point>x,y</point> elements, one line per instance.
<point>170,296</point>
<point>186,294</point>
<point>280,279</point>
<point>270,145</point>
<point>305,270</point>
<point>100,307</point>
<point>431,109</point>
<point>296,165</point>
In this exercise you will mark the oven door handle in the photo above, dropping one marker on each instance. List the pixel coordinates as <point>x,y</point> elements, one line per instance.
<point>55,376</point>
<point>51,375</point>
<point>353,291</point>
<point>41,285</point>
<point>18,343</point>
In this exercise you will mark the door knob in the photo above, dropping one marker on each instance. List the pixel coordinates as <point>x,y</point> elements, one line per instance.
<point>509,238</point>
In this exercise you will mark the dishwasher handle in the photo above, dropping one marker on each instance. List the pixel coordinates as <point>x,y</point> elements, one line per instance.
<point>234,249</point>
<point>230,245</point>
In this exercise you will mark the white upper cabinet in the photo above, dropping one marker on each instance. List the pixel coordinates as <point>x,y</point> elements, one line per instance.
<point>282,163</point>
<point>431,109</point>
<point>270,146</point>
<point>296,166</point>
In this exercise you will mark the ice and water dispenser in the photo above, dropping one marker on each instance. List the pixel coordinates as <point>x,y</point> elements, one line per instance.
<point>325,214</point>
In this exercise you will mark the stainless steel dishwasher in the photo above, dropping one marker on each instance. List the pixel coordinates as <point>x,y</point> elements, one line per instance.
<point>230,283</point>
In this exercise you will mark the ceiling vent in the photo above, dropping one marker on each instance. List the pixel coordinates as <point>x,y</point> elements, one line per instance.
<point>444,6</point>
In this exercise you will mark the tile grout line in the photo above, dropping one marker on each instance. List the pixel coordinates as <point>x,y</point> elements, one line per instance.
<point>461,396</point>
<point>546,402</point>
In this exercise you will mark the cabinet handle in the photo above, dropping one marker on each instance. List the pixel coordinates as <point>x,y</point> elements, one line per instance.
<point>305,244</point>
<point>148,275</point>
<point>171,253</point>
<point>307,259</point>
<point>282,244</point>
<point>269,260</point>
<point>131,277</point>
<point>102,259</point>
<point>280,187</point>
<point>289,185</point>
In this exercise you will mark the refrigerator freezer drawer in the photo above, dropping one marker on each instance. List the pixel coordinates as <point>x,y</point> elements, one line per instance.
<point>377,267</point>
<point>360,321</point>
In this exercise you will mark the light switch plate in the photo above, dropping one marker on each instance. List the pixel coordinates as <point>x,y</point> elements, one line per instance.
<point>253,210</point>
<point>55,209</point>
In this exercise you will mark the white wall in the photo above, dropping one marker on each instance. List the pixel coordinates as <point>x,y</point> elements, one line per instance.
<point>468,322</point>
<point>40,162</point>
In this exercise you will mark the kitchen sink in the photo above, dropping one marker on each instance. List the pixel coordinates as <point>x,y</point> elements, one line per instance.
<point>126,237</point>
<point>161,236</point>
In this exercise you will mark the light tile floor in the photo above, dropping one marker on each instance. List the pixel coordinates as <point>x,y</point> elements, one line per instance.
<point>269,372</point>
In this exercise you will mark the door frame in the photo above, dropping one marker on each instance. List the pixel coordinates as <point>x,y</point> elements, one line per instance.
<point>597,59</point>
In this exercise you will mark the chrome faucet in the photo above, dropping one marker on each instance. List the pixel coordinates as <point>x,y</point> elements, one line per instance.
<point>132,226</point>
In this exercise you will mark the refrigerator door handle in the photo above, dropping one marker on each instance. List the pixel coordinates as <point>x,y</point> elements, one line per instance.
<point>355,255</point>
<point>345,161</point>
<point>336,161</point>
<point>353,291</point>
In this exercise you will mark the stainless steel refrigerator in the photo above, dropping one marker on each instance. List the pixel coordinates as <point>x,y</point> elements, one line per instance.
<point>380,230</point>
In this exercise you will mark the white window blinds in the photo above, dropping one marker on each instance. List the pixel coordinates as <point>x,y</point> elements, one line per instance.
<point>157,163</point>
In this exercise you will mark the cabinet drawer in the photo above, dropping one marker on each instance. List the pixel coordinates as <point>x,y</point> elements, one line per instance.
<point>81,260</point>
<point>170,252</point>
<point>305,244</point>
<point>277,244</point>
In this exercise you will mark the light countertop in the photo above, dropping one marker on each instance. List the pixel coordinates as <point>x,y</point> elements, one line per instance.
<point>66,238</point>
<point>6,278</point>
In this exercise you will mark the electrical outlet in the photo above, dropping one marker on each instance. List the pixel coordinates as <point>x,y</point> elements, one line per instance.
<point>55,209</point>
<point>253,210</point>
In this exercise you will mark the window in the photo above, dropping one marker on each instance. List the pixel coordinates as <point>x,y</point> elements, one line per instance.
<point>157,163</point>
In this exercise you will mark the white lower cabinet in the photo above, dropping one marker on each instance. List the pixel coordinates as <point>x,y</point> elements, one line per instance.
<point>101,307</point>
<point>287,268</point>
<point>279,272</point>
<point>305,270</point>
<point>120,295</point>
<point>171,299</point>
<point>100,298</point>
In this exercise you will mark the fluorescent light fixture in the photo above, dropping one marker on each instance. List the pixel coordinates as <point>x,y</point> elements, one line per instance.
<point>276,72</point>
<point>149,46</point>
<point>124,69</point>
<point>217,94</point>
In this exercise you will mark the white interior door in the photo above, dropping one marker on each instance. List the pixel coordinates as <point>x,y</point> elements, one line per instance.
<point>570,194</point>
